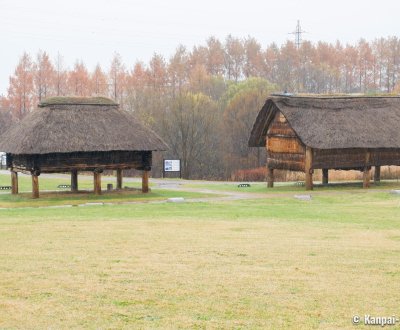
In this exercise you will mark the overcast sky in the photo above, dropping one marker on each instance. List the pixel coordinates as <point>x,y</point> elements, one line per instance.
<point>93,30</point>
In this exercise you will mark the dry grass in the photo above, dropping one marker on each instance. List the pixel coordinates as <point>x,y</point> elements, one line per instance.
<point>387,173</point>
<point>271,264</point>
<point>260,174</point>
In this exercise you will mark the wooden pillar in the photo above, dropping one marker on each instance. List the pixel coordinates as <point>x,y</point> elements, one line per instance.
<point>145,181</point>
<point>377,174</point>
<point>270,177</point>
<point>74,180</point>
<point>308,168</point>
<point>325,176</point>
<point>14,182</point>
<point>366,177</point>
<point>35,185</point>
<point>119,178</point>
<point>97,182</point>
<point>367,171</point>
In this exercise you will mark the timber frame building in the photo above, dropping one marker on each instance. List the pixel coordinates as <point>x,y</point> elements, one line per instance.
<point>303,133</point>
<point>70,134</point>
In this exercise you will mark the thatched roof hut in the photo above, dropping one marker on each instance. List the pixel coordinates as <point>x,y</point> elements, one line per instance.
<point>79,134</point>
<point>342,132</point>
<point>63,125</point>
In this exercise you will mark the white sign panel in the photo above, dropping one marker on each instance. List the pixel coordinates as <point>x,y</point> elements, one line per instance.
<point>172,165</point>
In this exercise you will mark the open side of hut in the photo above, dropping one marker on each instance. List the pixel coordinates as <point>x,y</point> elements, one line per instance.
<point>305,133</point>
<point>70,134</point>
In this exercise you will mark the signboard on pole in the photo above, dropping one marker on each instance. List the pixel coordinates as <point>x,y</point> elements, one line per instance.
<point>172,165</point>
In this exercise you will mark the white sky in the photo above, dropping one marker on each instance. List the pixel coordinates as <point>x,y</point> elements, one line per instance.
<point>93,30</point>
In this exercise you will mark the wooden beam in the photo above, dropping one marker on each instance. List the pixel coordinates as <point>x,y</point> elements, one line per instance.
<point>97,182</point>
<point>377,174</point>
<point>270,177</point>
<point>325,176</point>
<point>14,182</point>
<point>35,185</point>
<point>366,177</point>
<point>74,180</point>
<point>308,168</point>
<point>367,170</point>
<point>145,181</point>
<point>119,178</point>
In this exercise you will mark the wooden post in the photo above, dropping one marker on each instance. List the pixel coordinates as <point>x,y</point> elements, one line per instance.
<point>366,177</point>
<point>367,171</point>
<point>308,168</point>
<point>97,182</point>
<point>35,185</point>
<point>119,178</point>
<point>325,176</point>
<point>145,181</point>
<point>14,182</point>
<point>270,177</point>
<point>74,180</point>
<point>377,174</point>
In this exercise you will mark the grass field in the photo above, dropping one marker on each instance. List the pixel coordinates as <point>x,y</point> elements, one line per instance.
<point>270,263</point>
<point>51,195</point>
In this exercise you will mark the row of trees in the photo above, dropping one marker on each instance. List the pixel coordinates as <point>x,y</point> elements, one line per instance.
<point>203,102</point>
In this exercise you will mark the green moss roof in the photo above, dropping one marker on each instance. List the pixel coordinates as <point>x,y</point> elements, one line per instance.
<point>65,100</point>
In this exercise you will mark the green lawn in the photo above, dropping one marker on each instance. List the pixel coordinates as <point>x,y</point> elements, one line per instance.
<point>85,182</point>
<point>271,263</point>
<point>50,195</point>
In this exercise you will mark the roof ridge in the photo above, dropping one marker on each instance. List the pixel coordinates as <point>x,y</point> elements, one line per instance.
<point>76,100</point>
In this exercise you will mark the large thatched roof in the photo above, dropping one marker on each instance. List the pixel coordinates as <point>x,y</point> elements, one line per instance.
<point>334,122</point>
<point>68,124</point>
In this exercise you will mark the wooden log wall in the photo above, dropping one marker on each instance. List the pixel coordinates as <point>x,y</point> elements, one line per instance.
<point>84,161</point>
<point>354,158</point>
<point>284,149</point>
<point>381,157</point>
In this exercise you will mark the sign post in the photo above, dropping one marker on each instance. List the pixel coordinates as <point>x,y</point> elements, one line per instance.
<point>172,165</point>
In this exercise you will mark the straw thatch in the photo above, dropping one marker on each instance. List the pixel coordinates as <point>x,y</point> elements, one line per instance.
<point>63,125</point>
<point>334,122</point>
